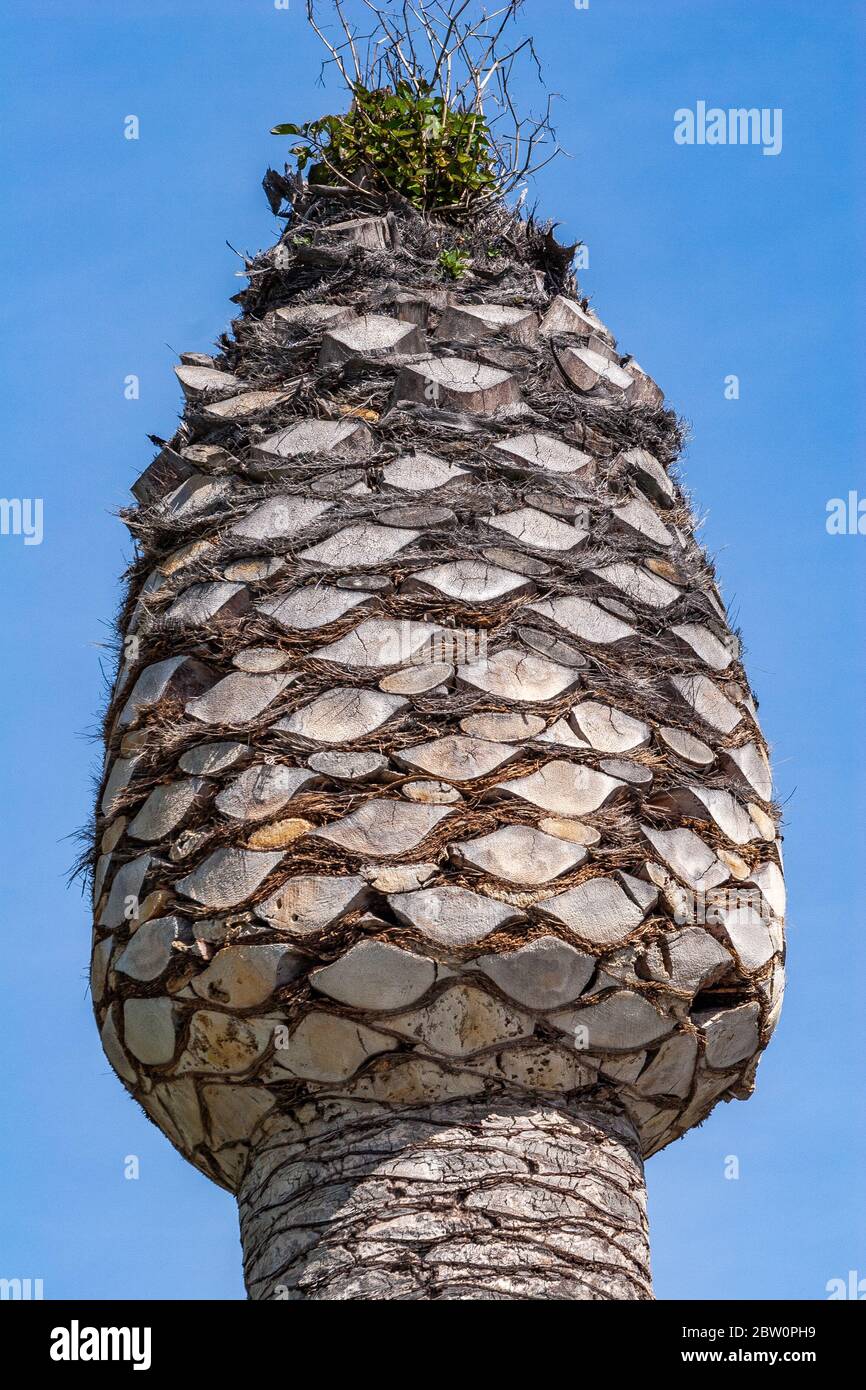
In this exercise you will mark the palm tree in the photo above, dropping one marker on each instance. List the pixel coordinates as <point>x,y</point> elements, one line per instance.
<point>437,875</point>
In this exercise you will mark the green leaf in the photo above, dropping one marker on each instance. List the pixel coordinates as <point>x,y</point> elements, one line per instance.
<point>407,141</point>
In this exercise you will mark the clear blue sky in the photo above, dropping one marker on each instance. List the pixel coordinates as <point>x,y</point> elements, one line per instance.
<point>705,262</point>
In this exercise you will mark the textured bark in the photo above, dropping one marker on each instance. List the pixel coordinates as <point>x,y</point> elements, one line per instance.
<point>465,1200</point>
<point>430,742</point>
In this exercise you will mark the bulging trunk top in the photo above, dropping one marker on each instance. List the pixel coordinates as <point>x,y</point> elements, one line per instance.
<point>432,767</point>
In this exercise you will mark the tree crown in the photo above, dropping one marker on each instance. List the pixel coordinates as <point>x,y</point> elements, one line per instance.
<point>432,114</point>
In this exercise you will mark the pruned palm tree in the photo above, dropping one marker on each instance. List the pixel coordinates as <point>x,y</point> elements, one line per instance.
<point>437,875</point>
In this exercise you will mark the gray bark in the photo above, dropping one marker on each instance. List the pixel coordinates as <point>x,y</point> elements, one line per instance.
<point>471,1199</point>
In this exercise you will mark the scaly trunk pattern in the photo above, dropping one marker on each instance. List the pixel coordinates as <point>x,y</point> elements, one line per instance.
<point>467,1200</point>
<point>429,747</point>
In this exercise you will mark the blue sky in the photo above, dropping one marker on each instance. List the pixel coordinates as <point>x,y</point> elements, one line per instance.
<point>706,262</point>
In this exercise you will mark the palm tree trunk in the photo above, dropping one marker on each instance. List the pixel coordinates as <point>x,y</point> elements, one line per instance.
<point>470,1199</point>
